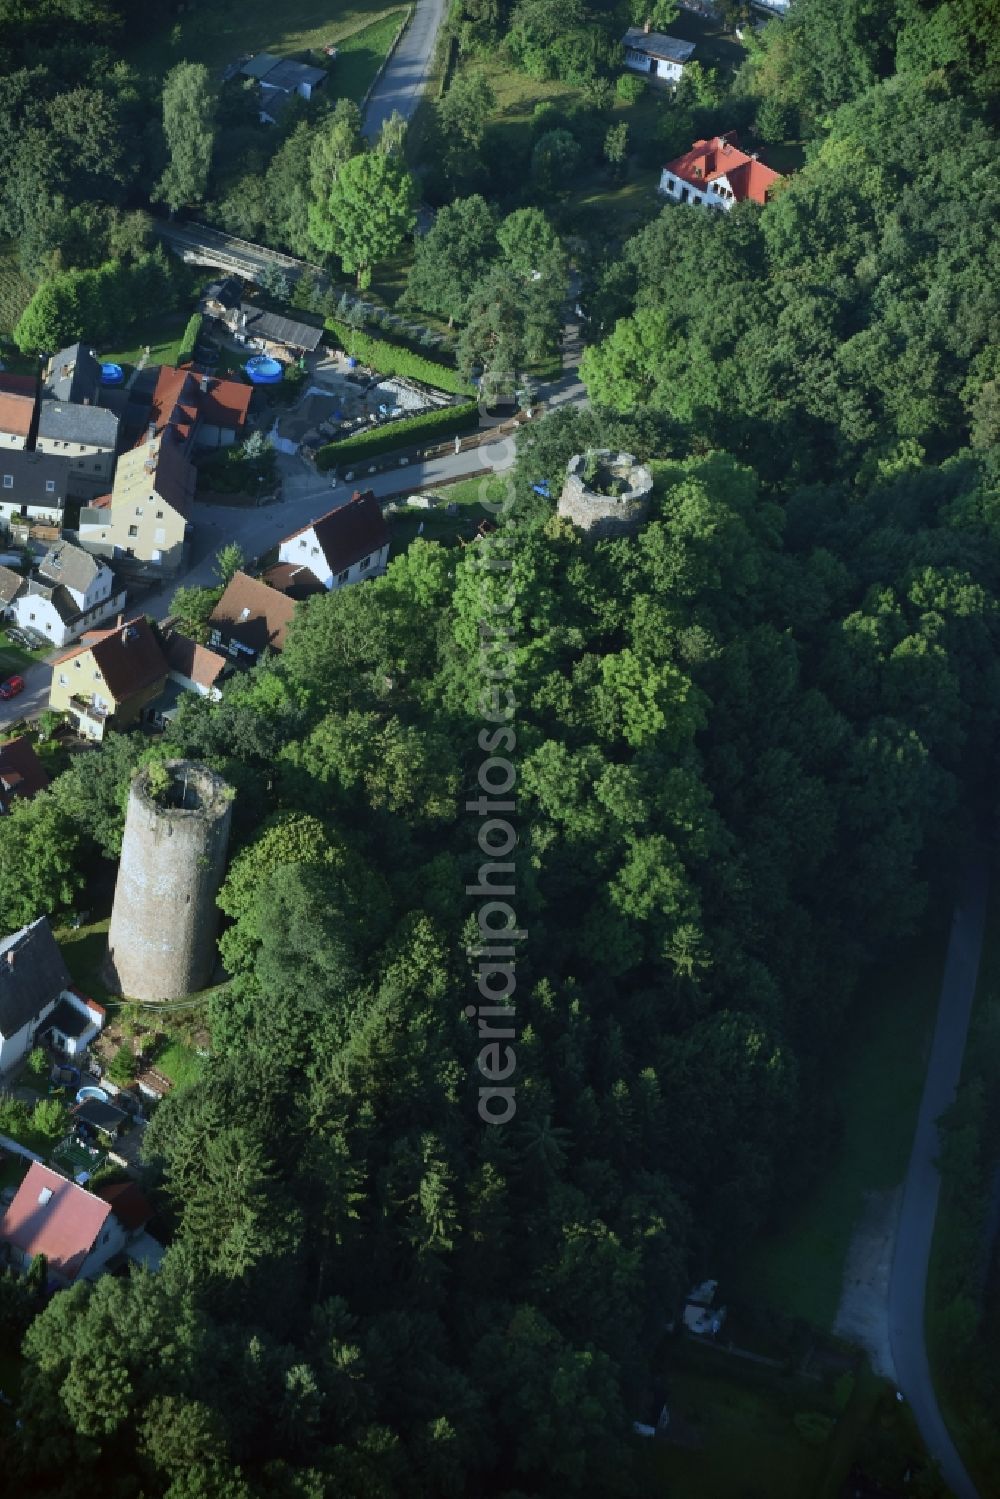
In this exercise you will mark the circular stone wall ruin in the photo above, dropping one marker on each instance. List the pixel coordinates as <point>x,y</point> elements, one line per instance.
<point>161,943</point>
<point>606,493</point>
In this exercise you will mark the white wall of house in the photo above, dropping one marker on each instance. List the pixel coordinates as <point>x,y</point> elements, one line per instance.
<point>305,551</point>
<point>214,693</point>
<point>716,194</point>
<point>13,440</point>
<point>75,1046</point>
<point>34,612</point>
<point>110,1241</point>
<point>639,62</point>
<point>654,67</point>
<point>89,462</point>
<point>46,514</point>
<point>14,1047</point>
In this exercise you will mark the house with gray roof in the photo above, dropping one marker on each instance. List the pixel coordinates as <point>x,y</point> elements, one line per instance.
<point>33,980</point>
<point>73,375</point>
<point>86,436</point>
<point>660,57</point>
<point>272,332</point>
<point>281,80</point>
<point>11,584</point>
<point>71,592</point>
<point>33,485</point>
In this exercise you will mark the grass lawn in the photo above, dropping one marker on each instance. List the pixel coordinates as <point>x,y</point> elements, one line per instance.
<point>748,1443</point>
<point>163,333</point>
<point>360,55</point>
<point>627,204</point>
<point>879,1081</point>
<point>83,948</point>
<point>15,658</point>
<point>180,1063</point>
<point>227,30</point>
<point>438,525</point>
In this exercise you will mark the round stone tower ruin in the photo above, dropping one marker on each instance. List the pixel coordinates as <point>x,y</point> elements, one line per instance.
<point>606,493</point>
<point>161,944</point>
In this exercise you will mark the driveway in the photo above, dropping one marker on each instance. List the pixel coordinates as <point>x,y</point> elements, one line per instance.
<point>34,698</point>
<point>908,1280</point>
<point>408,68</point>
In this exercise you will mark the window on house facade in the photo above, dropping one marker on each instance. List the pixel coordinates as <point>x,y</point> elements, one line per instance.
<point>342,577</point>
<point>133,530</point>
<point>63,680</point>
<point>303,542</point>
<point>159,515</point>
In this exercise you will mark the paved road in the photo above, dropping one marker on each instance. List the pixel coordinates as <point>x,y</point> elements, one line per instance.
<point>32,700</point>
<point>908,1283</point>
<point>408,68</point>
<point>305,496</point>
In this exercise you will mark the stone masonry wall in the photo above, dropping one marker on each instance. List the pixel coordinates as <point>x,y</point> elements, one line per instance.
<point>161,944</point>
<point>602,515</point>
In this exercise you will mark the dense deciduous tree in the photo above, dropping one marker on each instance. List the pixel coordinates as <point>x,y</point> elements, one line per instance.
<point>189,104</point>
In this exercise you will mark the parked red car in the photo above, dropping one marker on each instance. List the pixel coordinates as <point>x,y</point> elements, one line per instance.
<point>11,687</point>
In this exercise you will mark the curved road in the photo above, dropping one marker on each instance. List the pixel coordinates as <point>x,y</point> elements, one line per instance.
<point>408,68</point>
<point>908,1282</point>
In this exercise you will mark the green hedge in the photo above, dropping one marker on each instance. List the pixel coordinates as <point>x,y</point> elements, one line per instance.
<point>429,426</point>
<point>189,342</point>
<point>390,359</point>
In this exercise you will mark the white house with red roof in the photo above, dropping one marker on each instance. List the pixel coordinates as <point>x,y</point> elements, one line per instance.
<point>76,1231</point>
<point>718,174</point>
<point>344,546</point>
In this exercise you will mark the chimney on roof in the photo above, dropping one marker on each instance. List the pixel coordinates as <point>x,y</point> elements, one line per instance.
<point>151,431</point>
<point>646,25</point>
<point>11,955</point>
<point>119,621</point>
<point>86,400</point>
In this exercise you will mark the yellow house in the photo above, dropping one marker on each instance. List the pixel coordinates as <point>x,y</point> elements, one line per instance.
<point>108,680</point>
<point>147,513</point>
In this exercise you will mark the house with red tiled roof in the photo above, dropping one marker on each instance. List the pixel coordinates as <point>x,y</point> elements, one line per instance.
<point>110,678</point>
<point>344,546</point>
<point>250,618</point>
<point>194,667</point>
<point>77,1231</point>
<point>148,512</point>
<point>206,412</point>
<point>718,174</point>
<point>17,415</point>
<point>22,774</point>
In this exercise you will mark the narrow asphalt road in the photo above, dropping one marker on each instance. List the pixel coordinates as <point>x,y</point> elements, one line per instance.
<point>308,495</point>
<point>908,1281</point>
<point>408,68</point>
